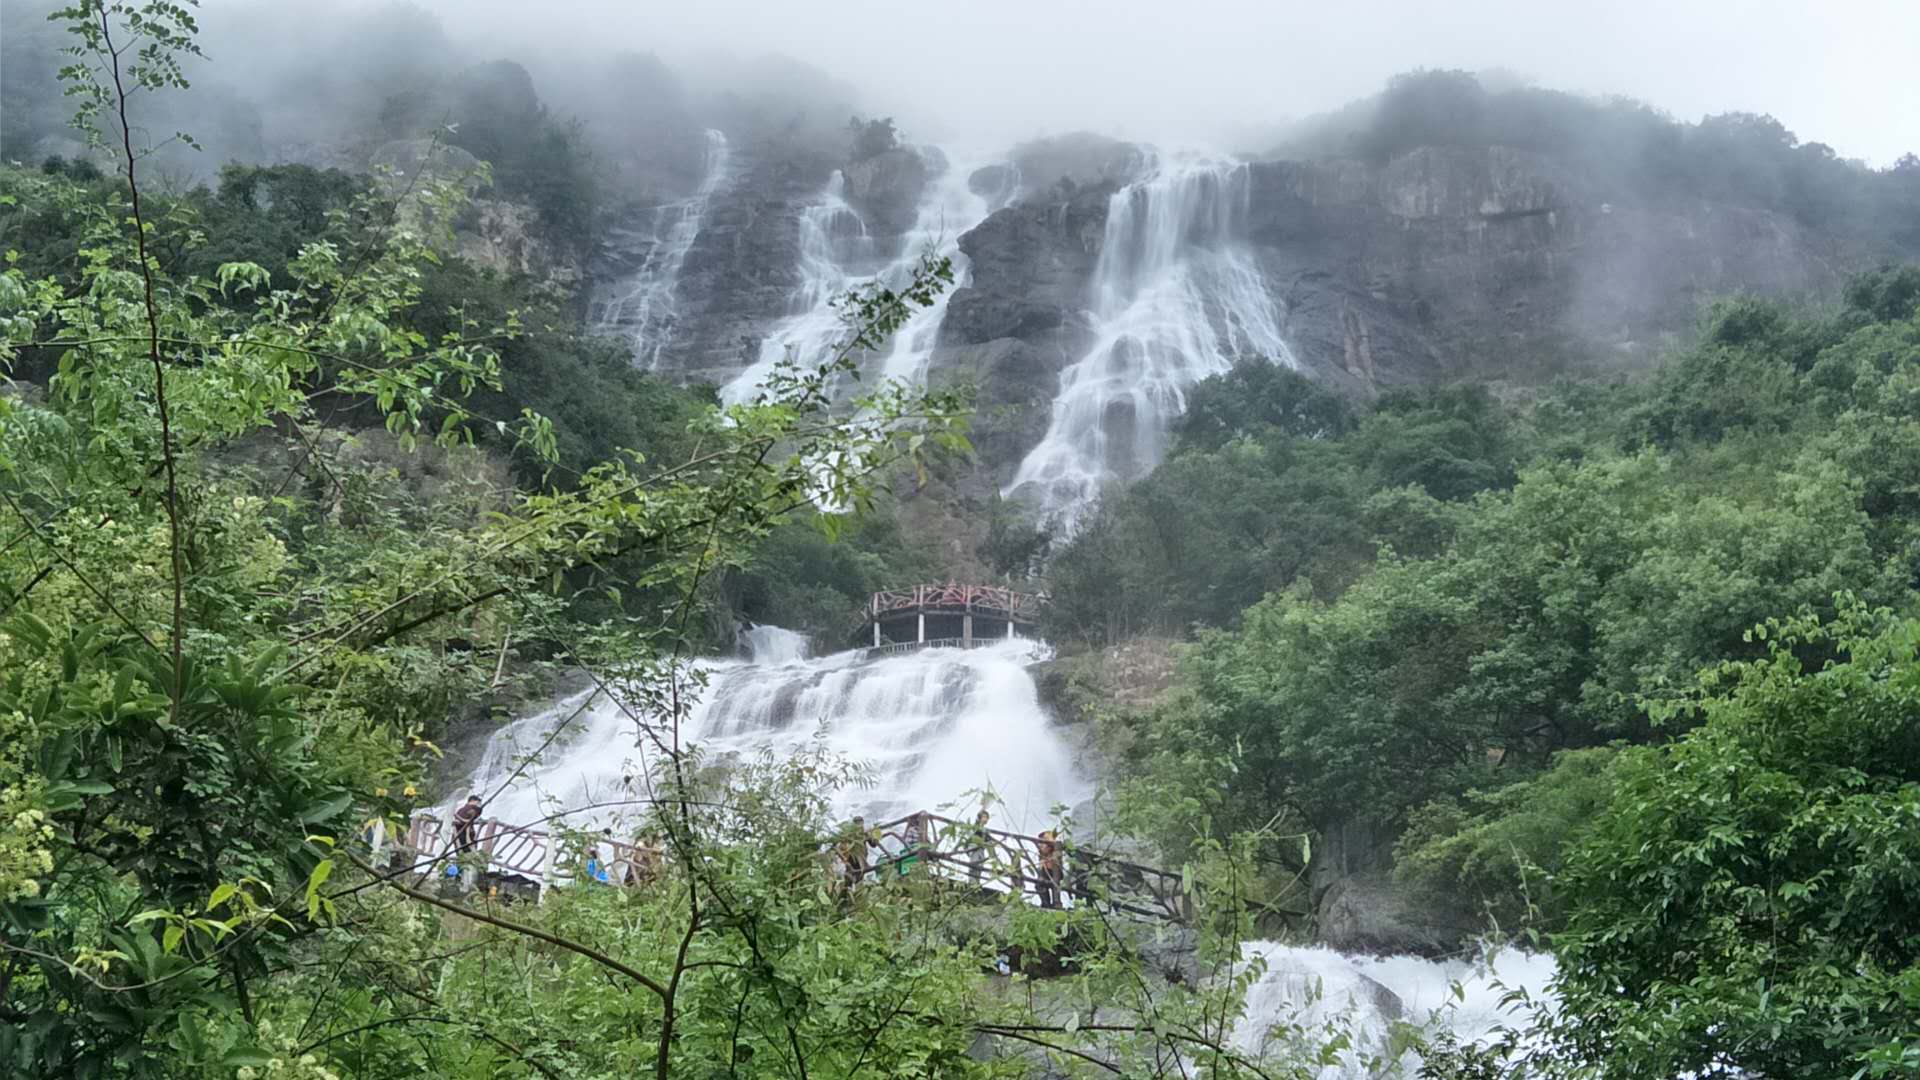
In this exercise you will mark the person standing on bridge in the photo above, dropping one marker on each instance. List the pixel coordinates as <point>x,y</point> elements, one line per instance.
<point>916,842</point>
<point>982,845</point>
<point>853,852</point>
<point>1052,869</point>
<point>466,820</point>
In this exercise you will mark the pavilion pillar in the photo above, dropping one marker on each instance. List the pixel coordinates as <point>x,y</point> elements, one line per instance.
<point>966,630</point>
<point>921,635</point>
<point>876,633</point>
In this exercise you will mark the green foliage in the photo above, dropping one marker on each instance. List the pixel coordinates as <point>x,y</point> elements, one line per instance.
<point>1277,482</point>
<point>1496,852</point>
<point>1538,578</point>
<point>1746,901</point>
<point>536,157</point>
<point>1259,399</point>
<point>804,579</point>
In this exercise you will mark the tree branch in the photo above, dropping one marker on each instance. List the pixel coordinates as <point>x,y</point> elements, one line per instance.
<point>159,381</point>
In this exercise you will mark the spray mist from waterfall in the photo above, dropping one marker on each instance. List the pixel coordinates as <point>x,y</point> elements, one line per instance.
<point>1177,297</point>
<point>1305,993</point>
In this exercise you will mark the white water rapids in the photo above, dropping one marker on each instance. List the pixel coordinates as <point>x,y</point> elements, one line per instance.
<point>937,727</point>
<point>1307,995</point>
<point>1176,297</point>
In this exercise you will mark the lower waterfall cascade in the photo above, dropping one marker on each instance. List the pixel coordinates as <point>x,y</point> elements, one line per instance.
<point>936,727</point>
<point>1306,993</point>
<point>933,727</point>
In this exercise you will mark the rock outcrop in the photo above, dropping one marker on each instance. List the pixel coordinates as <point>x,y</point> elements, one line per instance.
<point>1449,260</point>
<point>1023,316</point>
<point>886,188</point>
<point>740,275</point>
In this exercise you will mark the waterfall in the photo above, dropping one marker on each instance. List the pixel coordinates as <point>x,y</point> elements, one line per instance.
<point>642,306</point>
<point>931,727</point>
<point>774,645</point>
<point>834,243</point>
<point>1304,990</point>
<point>948,209</point>
<point>830,265</point>
<point>1176,297</point>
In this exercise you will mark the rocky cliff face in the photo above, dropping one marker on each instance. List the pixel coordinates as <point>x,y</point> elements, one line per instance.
<point>1451,260</point>
<point>743,274</point>
<point>1439,263</point>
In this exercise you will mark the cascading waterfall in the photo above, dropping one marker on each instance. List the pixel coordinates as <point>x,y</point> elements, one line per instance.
<point>1176,298</point>
<point>829,266</point>
<point>774,645</point>
<point>835,247</point>
<point>643,306</point>
<point>949,209</point>
<point>1306,991</point>
<point>930,726</point>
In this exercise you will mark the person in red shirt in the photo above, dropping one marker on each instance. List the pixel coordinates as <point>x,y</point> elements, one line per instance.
<point>466,821</point>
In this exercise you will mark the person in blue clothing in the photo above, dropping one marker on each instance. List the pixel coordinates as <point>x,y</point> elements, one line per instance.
<point>597,859</point>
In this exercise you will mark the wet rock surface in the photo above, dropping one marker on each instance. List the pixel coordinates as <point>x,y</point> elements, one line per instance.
<point>1439,263</point>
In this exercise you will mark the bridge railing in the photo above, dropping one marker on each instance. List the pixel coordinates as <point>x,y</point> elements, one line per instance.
<point>952,596</point>
<point>894,648</point>
<point>539,857</point>
<point>991,859</point>
<point>1013,861</point>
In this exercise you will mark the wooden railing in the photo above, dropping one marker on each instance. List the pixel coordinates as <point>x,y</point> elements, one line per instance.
<point>992,860</point>
<point>1015,605</point>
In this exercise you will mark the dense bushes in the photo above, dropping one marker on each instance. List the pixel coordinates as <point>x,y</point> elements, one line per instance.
<point>1275,480</point>
<point>1460,595</point>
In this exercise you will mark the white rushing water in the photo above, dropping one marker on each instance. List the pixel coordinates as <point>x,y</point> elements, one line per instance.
<point>933,727</point>
<point>1176,297</point>
<point>1308,994</point>
<point>835,248</point>
<point>642,306</point>
<point>837,253</point>
<point>949,209</point>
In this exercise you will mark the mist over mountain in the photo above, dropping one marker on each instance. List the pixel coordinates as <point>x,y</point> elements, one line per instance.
<point>704,202</point>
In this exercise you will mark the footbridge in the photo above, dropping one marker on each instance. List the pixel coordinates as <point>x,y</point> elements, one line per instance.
<point>925,847</point>
<point>950,615</point>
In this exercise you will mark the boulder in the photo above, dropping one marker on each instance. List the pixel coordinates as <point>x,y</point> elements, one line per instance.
<point>886,188</point>
<point>1359,908</point>
<point>1057,166</point>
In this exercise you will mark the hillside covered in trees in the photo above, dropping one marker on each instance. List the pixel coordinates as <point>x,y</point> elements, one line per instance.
<point>1474,619</point>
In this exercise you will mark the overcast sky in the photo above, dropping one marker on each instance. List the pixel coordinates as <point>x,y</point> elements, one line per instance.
<point>1844,72</point>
